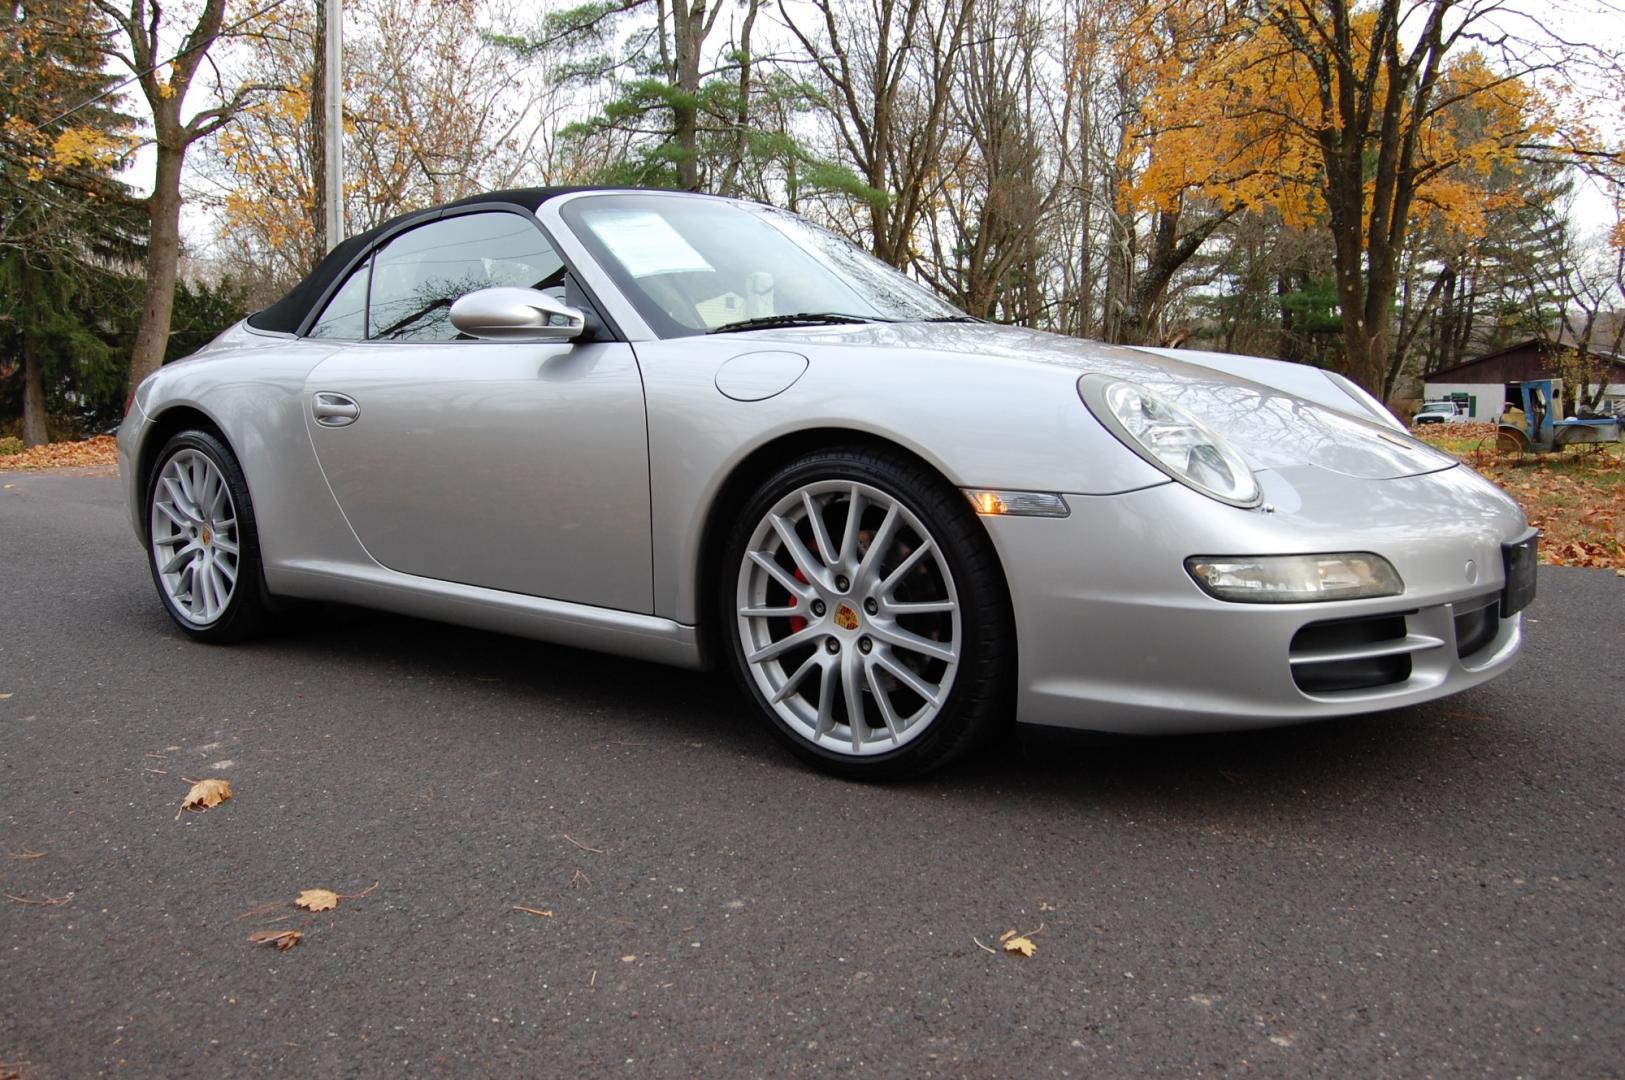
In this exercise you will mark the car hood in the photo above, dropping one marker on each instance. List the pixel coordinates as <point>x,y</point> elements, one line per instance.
<point>1271,427</point>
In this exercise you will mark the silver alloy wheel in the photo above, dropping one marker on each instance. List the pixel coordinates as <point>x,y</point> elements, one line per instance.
<point>848,617</point>
<point>193,525</point>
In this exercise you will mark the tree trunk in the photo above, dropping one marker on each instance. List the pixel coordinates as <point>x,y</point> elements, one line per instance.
<point>318,136</point>
<point>34,433</point>
<point>1169,252</point>
<point>688,27</point>
<point>163,257</point>
<point>731,183</point>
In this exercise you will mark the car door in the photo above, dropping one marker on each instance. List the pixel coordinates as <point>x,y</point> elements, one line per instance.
<point>520,466</point>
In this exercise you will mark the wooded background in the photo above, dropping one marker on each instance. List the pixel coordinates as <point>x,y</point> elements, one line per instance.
<point>1380,188</point>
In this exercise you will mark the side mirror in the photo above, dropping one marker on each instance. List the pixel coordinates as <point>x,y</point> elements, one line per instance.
<point>512,314</point>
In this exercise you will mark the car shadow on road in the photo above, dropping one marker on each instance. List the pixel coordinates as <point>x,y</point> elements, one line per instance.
<point>1352,758</point>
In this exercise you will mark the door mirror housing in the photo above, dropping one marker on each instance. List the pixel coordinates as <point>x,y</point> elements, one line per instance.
<point>513,314</point>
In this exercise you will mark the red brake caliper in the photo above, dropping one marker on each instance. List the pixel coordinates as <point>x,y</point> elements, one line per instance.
<point>797,623</point>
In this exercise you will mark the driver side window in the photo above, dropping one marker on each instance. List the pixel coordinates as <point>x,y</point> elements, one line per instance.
<point>419,274</point>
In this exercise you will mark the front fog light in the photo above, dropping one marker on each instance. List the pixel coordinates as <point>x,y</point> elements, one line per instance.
<point>1295,579</point>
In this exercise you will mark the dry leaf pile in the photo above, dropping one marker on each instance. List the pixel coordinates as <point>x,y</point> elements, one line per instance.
<point>100,450</point>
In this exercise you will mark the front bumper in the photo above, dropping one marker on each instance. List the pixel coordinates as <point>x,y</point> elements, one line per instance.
<point>1114,636</point>
<point>128,444</point>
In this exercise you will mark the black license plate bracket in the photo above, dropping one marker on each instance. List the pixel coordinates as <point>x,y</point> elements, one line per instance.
<point>1519,558</point>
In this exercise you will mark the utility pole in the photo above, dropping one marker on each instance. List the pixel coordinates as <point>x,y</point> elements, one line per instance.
<point>333,122</point>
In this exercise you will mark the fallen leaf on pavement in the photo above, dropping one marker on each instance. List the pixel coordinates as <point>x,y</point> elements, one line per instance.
<point>1019,944</point>
<point>205,794</point>
<point>282,939</point>
<point>4,696</point>
<point>318,900</point>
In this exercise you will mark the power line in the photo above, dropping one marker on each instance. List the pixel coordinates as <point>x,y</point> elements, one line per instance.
<point>273,5</point>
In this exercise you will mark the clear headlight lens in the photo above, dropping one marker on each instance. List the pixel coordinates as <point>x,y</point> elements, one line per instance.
<point>1171,439</point>
<point>1295,579</point>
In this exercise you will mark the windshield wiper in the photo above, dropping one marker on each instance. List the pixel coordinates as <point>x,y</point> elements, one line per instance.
<point>800,318</point>
<point>953,318</point>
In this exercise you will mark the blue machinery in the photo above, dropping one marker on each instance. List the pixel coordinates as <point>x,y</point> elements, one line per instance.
<point>1541,431</point>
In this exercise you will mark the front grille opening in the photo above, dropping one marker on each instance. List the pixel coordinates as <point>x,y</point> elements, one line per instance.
<point>1350,673</point>
<point>1476,629</point>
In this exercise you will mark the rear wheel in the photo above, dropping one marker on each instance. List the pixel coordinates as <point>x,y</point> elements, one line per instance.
<point>202,545</point>
<point>866,614</point>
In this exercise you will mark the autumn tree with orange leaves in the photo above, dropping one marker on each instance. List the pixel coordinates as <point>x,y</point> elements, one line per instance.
<point>1364,119</point>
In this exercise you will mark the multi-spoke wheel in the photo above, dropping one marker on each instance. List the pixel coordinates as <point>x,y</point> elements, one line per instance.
<point>201,539</point>
<point>866,612</point>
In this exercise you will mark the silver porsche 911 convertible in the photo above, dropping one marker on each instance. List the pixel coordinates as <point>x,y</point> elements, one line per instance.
<point>706,432</point>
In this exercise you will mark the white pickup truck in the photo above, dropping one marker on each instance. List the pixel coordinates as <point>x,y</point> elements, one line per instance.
<point>1440,412</point>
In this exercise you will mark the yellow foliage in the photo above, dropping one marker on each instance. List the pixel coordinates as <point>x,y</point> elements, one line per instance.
<point>1233,112</point>
<point>77,146</point>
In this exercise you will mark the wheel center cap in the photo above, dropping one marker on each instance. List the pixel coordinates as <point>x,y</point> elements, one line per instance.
<point>207,535</point>
<point>846,616</point>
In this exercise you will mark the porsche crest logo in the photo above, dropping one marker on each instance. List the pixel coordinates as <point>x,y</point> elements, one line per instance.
<point>845,617</point>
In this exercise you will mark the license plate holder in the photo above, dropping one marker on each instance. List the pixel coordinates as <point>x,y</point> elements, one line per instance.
<point>1519,558</point>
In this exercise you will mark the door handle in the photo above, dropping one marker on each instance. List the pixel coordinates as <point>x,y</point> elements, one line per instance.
<point>334,410</point>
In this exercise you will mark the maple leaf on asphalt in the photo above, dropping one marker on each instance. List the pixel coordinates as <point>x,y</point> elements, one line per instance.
<point>1019,944</point>
<point>206,794</point>
<point>318,900</point>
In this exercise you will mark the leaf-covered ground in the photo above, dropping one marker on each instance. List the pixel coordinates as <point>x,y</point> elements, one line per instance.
<point>97,451</point>
<point>1576,497</point>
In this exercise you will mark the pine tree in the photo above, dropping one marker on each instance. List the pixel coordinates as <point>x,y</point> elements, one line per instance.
<point>68,228</point>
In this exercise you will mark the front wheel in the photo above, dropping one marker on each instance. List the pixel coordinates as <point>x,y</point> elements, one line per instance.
<point>867,616</point>
<point>202,545</point>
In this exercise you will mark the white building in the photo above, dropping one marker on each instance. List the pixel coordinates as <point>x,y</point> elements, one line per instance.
<point>1481,382</point>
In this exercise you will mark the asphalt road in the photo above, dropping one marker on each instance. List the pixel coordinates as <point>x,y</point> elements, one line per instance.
<point>1433,891</point>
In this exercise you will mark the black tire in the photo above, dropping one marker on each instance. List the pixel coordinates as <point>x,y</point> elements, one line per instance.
<point>246,612</point>
<point>977,706</point>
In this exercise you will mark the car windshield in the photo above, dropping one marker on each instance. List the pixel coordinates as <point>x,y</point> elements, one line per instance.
<point>695,266</point>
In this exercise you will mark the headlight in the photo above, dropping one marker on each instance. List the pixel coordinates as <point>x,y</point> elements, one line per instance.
<point>1295,579</point>
<point>1171,439</point>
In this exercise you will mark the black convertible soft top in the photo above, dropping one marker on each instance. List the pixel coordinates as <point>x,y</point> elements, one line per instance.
<point>288,314</point>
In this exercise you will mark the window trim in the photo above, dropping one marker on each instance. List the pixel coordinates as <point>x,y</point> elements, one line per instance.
<point>425,218</point>
<point>327,301</point>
